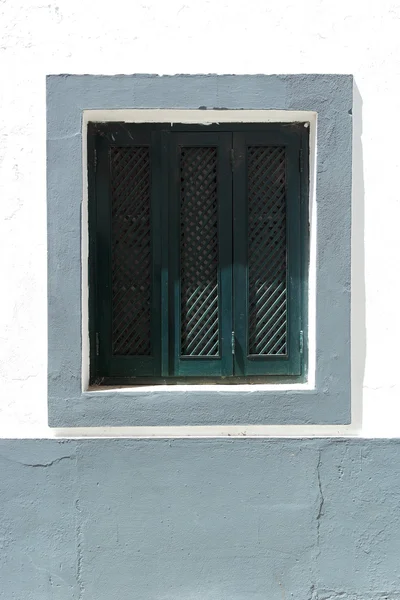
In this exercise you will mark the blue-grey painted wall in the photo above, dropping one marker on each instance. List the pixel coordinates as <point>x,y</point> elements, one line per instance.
<point>200,519</point>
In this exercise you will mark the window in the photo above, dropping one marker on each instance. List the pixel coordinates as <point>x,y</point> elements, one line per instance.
<point>198,252</point>
<point>242,105</point>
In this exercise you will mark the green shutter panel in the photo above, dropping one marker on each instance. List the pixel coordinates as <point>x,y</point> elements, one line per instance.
<point>267,252</point>
<point>196,252</point>
<point>130,251</point>
<point>128,327</point>
<point>200,267</point>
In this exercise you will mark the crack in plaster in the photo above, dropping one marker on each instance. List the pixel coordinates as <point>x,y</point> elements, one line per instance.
<point>69,136</point>
<point>27,377</point>
<point>79,536</point>
<point>314,594</point>
<point>50,575</point>
<point>79,555</point>
<point>328,594</point>
<point>38,464</point>
<point>320,511</point>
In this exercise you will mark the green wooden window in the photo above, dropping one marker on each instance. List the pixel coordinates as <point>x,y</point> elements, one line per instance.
<point>198,240</point>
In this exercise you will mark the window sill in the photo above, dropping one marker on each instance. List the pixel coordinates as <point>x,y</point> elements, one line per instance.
<point>184,406</point>
<point>172,388</point>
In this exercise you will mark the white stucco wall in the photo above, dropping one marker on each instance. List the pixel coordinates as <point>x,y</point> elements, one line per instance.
<point>78,36</point>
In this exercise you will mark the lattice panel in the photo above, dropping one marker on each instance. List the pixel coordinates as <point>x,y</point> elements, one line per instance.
<point>199,252</point>
<point>131,251</point>
<point>267,249</point>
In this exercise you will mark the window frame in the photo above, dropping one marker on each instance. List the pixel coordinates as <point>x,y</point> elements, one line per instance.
<point>231,140</point>
<point>325,397</point>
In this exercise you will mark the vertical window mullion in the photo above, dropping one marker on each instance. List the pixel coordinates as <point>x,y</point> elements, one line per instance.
<point>225,231</point>
<point>163,194</point>
<point>240,295</point>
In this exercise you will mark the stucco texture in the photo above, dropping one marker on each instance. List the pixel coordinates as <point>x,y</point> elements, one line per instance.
<point>199,519</point>
<point>281,36</point>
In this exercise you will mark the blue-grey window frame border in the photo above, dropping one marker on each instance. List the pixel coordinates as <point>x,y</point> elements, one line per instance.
<point>331,97</point>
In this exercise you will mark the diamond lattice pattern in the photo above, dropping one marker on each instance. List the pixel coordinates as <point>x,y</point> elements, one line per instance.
<point>131,251</point>
<point>267,262</point>
<point>199,252</point>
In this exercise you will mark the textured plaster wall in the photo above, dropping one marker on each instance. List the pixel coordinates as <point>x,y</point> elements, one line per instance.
<point>199,519</point>
<point>79,36</point>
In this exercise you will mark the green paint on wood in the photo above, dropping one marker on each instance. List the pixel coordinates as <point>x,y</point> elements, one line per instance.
<point>197,238</point>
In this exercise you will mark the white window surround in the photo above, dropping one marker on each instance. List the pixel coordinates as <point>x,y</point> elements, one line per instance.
<point>203,117</point>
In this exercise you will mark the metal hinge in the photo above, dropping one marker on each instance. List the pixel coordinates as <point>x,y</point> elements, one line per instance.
<point>301,342</point>
<point>301,160</point>
<point>232,159</point>
<point>97,344</point>
<point>233,342</point>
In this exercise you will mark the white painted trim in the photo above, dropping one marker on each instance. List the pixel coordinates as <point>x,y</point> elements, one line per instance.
<point>203,117</point>
<point>84,262</point>
<point>198,116</point>
<point>195,432</point>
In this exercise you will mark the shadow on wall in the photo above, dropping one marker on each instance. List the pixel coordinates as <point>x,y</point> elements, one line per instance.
<point>358,329</point>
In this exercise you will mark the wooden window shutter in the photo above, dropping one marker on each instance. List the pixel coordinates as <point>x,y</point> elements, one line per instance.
<point>201,254</point>
<point>127,220</point>
<point>268,292</point>
<point>196,251</point>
